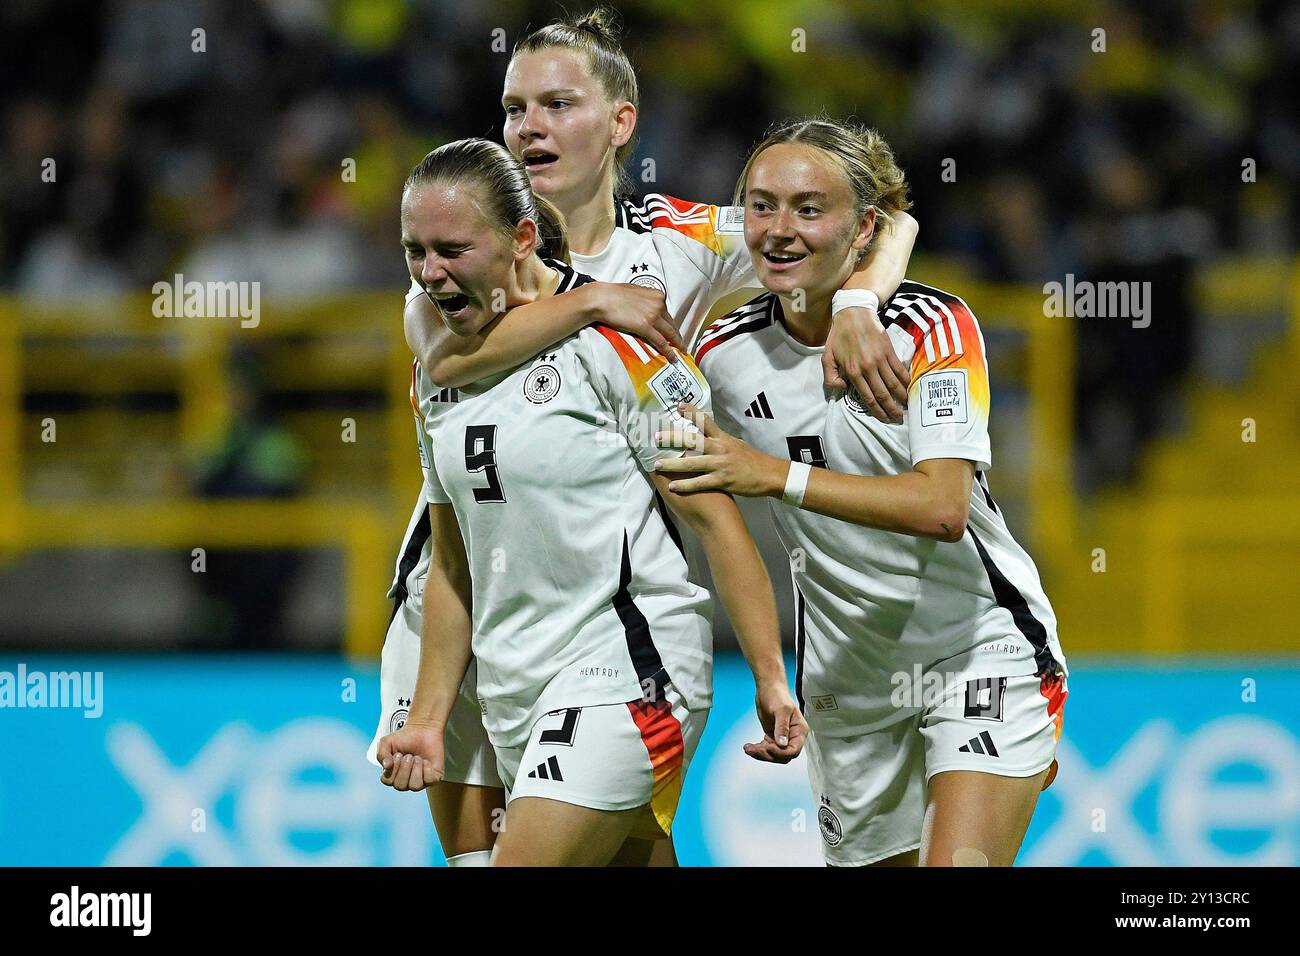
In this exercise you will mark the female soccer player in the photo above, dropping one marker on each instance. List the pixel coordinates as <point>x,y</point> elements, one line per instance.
<point>571,110</point>
<point>593,645</point>
<point>928,662</point>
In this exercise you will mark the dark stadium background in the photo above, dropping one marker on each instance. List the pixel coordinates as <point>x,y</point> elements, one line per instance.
<point>1153,471</point>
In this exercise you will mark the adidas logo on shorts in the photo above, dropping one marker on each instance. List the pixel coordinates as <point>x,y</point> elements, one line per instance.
<point>550,770</point>
<point>983,744</point>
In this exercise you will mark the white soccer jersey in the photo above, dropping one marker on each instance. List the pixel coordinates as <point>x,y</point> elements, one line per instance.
<point>874,604</point>
<point>692,252</point>
<point>581,593</point>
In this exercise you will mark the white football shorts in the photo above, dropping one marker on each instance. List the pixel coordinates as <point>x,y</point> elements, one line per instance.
<point>870,789</point>
<point>609,757</point>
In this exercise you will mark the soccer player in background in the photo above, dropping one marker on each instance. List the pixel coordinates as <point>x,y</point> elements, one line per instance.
<point>571,111</point>
<point>593,644</point>
<point>902,563</point>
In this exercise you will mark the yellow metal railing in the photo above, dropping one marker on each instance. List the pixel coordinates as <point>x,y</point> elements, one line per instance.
<point>363,533</point>
<point>366,528</point>
<point>1173,525</point>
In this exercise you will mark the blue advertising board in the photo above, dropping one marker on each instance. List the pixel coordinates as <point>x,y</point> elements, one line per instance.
<point>260,761</point>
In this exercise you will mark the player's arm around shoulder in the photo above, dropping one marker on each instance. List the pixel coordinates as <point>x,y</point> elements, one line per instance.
<point>858,352</point>
<point>453,360</point>
<point>517,335</point>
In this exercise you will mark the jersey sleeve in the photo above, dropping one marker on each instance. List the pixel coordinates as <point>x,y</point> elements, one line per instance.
<point>738,268</point>
<point>421,403</point>
<point>948,399</point>
<point>640,389</point>
<point>711,237</point>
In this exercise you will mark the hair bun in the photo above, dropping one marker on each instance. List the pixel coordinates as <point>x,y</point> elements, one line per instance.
<point>601,22</point>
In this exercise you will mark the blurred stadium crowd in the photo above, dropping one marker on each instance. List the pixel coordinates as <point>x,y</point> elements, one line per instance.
<point>1032,152</point>
<point>227,164</point>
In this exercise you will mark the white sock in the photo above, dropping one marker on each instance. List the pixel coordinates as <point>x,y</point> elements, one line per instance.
<point>472,858</point>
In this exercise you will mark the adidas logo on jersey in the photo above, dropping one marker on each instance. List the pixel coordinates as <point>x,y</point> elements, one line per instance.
<point>759,408</point>
<point>549,770</point>
<point>447,395</point>
<point>983,744</point>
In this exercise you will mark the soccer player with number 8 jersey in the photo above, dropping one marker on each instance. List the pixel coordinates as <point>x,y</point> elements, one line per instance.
<point>927,658</point>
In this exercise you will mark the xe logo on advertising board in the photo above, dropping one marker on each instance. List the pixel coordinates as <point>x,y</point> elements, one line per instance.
<point>203,769</point>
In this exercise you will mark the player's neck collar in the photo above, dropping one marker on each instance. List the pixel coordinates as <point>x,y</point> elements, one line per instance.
<point>779,317</point>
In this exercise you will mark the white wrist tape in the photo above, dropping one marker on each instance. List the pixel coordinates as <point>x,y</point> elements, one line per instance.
<point>854,299</point>
<point>796,483</point>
